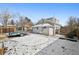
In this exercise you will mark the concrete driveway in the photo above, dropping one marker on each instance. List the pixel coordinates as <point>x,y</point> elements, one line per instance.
<point>29,44</point>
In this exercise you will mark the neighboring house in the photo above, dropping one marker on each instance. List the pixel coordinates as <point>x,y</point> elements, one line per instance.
<point>46,29</point>
<point>28,28</point>
<point>8,28</point>
<point>25,27</point>
<point>24,24</point>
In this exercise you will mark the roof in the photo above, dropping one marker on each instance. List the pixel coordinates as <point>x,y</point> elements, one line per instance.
<point>7,26</point>
<point>11,25</point>
<point>42,25</point>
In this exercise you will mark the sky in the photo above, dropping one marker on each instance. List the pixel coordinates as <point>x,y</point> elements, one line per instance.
<point>36,11</point>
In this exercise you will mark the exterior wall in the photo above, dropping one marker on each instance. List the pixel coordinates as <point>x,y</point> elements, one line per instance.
<point>45,31</point>
<point>57,29</point>
<point>7,29</point>
<point>25,29</point>
<point>41,30</point>
<point>34,30</point>
<point>53,31</point>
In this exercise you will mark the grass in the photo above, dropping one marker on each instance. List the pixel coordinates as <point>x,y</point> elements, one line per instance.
<point>2,36</point>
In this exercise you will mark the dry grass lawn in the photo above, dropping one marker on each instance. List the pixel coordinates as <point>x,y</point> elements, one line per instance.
<point>2,36</point>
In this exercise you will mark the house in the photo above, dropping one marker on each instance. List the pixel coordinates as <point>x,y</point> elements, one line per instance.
<point>8,28</point>
<point>24,24</point>
<point>46,29</point>
<point>25,27</point>
<point>47,26</point>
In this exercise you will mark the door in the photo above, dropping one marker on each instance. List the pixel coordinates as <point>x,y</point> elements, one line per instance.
<point>50,31</point>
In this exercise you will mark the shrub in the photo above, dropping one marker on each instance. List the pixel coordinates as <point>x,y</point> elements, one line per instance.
<point>71,34</point>
<point>77,33</point>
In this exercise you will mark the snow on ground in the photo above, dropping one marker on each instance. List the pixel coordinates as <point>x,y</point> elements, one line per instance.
<point>28,45</point>
<point>36,44</point>
<point>61,47</point>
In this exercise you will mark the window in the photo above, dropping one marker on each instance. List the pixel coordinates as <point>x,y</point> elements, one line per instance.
<point>44,27</point>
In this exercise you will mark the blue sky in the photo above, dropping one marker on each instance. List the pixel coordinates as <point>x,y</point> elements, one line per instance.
<point>36,11</point>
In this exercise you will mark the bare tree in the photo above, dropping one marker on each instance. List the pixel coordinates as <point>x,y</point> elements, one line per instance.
<point>25,21</point>
<point>5,16</point>
<point>78,23</point>
<point>21,23</point>
<point>72,23</point>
